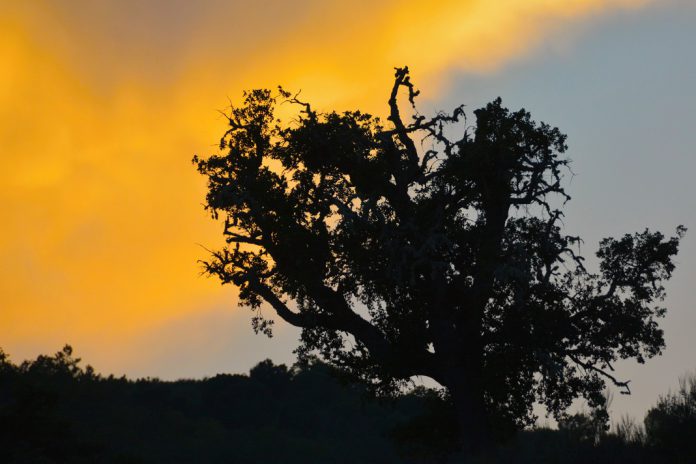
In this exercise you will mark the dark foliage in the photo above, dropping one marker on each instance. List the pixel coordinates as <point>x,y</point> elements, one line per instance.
<point>53,411</point>
<point>401,251</point>
<point>33,426</point>
<point>671,424</point>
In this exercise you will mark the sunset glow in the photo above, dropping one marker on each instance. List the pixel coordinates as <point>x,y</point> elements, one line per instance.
<point>103,104</point>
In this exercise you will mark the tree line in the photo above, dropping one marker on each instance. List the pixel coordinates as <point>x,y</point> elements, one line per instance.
<point>53,410</point>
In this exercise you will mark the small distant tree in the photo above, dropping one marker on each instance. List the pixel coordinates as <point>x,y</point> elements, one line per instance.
<point>429,247</point>
<point>629,432</point>
<point>670,426</point>
<point>585,427</point>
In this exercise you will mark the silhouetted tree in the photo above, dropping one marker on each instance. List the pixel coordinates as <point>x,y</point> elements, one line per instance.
<point>401,251</point>
<point>584,427</point>
<point>670,426</point>
<point>32,394</point>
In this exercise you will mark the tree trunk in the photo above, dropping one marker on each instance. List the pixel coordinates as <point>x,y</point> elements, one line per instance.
<point>475,432</point>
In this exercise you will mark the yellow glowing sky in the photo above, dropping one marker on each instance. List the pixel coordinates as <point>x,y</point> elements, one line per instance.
<point>103,104</point>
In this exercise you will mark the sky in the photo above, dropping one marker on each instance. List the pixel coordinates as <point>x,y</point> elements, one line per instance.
<point>104,103</point>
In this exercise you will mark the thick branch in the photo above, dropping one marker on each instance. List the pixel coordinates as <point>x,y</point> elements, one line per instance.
<point>402,79</point>
<point>293,318</point>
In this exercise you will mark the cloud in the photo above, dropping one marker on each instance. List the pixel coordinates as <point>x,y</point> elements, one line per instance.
<point>102,105</point>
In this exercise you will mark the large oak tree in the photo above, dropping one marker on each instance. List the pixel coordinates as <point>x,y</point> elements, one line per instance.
<point>428,247</point>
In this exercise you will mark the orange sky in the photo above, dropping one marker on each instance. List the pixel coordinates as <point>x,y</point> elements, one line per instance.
<point>103,104</point>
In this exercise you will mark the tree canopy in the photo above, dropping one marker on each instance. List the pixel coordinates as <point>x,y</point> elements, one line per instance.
<point>429,246</point>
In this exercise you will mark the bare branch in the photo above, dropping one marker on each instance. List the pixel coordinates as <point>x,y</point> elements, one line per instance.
<point>588,366</point>
<point>402,79</point>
